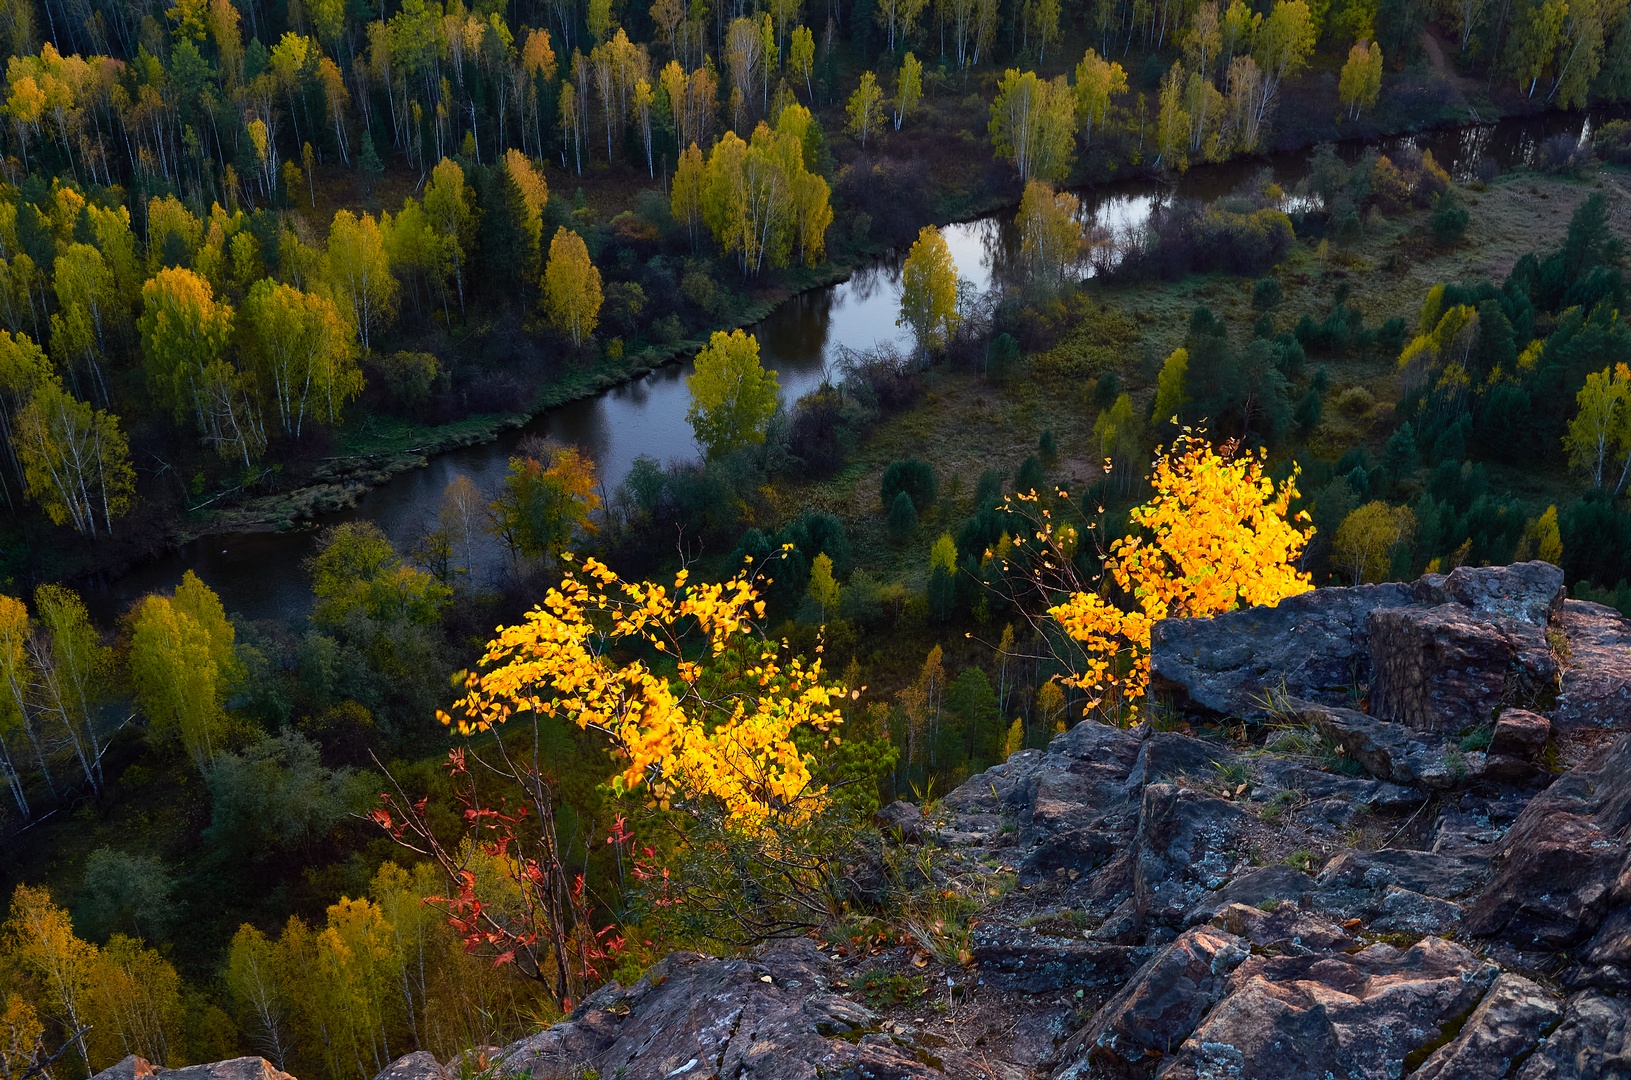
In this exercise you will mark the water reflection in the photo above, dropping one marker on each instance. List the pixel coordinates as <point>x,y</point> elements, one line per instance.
<point>262,575</point>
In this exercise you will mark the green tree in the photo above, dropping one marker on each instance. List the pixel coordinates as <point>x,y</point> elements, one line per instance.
<point>1366,539</point>
<point>75,460</point>
<point>865,108</point>
<point>572,293</point>
<point>126,894</point>
<point>902,519</point>
<point>1050,235</point>
<point>908,87</point>
<point>823,590</point>
<point>302,354</point>
<point>912,476</point>
<point>182,662</point>
<point>1361,80</point>
<point>1120,437</point>
<point>545,509</point>
<point>450,206</point>
<point>357,575</point>
<point>75,670</point>
<point>732,395</point>
<point>943,577</point>
<point>1171,387</point>
<point>1601,428</point>
<point>1098,81</point>
<point>1033,125</point>
<point>359,271</point>
<point>928,300</point>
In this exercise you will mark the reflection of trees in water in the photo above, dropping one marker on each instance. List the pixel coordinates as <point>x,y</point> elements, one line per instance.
<point>865,281</point>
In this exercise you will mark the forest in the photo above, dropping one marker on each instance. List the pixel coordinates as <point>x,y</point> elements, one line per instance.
<point>245,243</point>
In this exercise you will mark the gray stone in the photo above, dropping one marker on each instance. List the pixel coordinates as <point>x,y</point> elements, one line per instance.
<point>1557,867</point>
<point>1158,1007</point>
<point>239,1068</point>
<point>1312,646</point>
<point>1167,755</point>
<point>1592,1043</point>
<point>1186,847</point>
<point>1033,962</point>
<point>1340,1015</point>
<point>1405,911</point>
<point>1448,669</point>
<point>772,1017</point>
<point>419,1065</point>
<point>1276,884</point>
<point>1527,592</point>
<point>1520,733</point>
<point>1448,877</point>
<point>1391,751</point>
<point>900,819</point>
<point>130,1067</point>
<point>1505,1028</point>
<point>1285,931</point>
<point>1596,684</point>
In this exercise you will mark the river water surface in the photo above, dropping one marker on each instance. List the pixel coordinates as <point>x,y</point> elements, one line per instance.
<point>263,575</point>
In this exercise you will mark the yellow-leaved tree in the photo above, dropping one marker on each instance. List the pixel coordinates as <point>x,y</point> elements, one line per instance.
<point>716,723</point>
<point>928,298</point>
<point>1217,535</point>
<point>572,293</point>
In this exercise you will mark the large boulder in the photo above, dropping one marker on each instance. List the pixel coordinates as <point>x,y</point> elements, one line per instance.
<point>1472,643</point>
<point>1360,1014</point>
<point>1596,684</point>
<point>772,1017</point>
<point>1560,868</point>
<point>1312,645</point>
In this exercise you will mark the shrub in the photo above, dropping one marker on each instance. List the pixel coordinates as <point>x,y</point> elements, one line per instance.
<point>1612,142</point>
<point>1449,219</point>
<point>912,477</point>
<point>1267,294</point>
<point>1562,154</point>
<point>408,378</point>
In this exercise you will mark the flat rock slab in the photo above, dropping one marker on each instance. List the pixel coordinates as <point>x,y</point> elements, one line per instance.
<point>1596,683</point>
<point>1312,645</point>
<point>1389,751</point>
<point>1026,960</point>
<point>1349,1015</point>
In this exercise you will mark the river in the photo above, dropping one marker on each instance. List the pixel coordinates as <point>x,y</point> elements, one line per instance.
<point>263,575</point>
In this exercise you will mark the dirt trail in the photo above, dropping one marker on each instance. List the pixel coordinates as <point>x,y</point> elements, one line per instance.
<point>1459,85</point>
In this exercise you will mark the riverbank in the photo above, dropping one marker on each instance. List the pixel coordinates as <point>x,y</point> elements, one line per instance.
<point>380,448</point>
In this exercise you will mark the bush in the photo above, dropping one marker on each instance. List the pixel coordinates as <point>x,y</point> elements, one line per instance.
<point>125,894</point>
<point>1612,142</point>
<point>408,378</point>
<point>912,477</point>
<point>1002,358</point>
<point>1267,294</point>
<point>1449,219</point>
<point>1563,155</point>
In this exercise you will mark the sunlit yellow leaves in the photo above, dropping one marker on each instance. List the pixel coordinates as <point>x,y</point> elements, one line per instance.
<point>1218,535</point>
<point>712,715</point>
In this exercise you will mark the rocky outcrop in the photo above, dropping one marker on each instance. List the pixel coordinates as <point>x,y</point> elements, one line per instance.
<point>1390,870</point>
<point>241,1068</point>
<point>1596,684</point>
<point>776,1016</point>
<point>1562,866</point>
<point>1310,646</point>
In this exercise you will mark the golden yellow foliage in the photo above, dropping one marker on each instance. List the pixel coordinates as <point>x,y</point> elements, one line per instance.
<point>715,723</point>
<point>1219,534</point>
